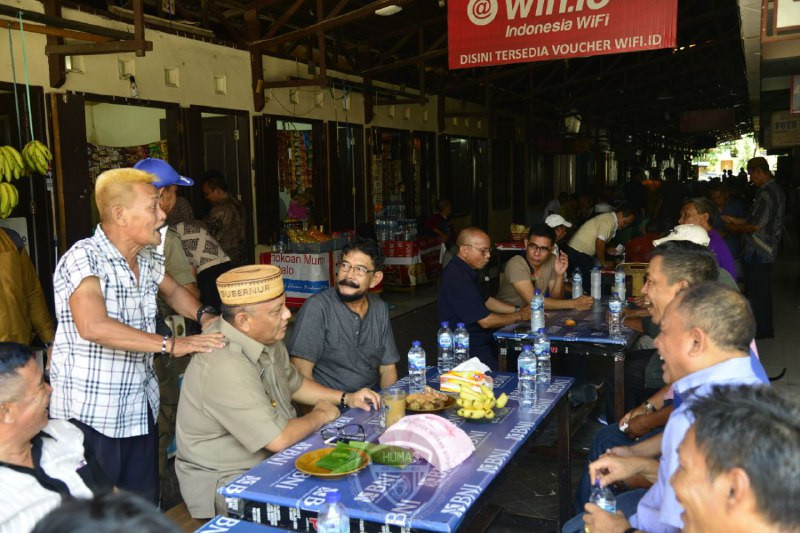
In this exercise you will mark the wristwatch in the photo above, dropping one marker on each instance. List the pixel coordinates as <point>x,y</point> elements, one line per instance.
<point>206,309</point>
<point>649,406</point>
<point>517,308</point>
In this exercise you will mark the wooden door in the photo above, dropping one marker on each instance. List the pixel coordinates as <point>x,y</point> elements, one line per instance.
<point>73,185</point>
<point>347,184</point>
<point>265,141</point>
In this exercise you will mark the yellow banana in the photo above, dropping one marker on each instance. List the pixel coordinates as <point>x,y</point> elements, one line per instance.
<point>3,166</point>
<point>4,200</point>
<point>8,164</point>
<point>489,393</point>
<point>13,152</point>
<point>44,150</point>
<point>467,393</point>
<point>475,413</point>
<point>488,414</point>
<point>41,162</point>
<point>15,195</point>
<point>464,402</point>
<point>502,400</point>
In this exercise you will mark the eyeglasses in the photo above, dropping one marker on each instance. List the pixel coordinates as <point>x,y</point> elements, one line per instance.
<point>353,432</point>
<point>482,251</point>
<point>359,270</point>
<point>539,248</point>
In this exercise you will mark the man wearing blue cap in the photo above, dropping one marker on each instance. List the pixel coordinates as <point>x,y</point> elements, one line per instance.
<point>176,265</point>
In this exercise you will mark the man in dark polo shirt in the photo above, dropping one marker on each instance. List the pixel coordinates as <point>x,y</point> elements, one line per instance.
<point>462,299</point>
<point>342,337</point>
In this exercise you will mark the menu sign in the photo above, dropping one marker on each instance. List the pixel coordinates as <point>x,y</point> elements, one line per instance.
<point>496,32</point>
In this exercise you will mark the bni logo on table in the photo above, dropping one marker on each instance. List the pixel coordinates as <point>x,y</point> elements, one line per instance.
<point>400,493</point>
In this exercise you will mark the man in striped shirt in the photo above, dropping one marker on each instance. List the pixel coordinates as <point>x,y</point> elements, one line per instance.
<point>105,294</point>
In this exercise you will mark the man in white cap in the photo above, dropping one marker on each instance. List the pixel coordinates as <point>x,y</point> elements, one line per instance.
<point>560,225</point>
<point>238,399</point>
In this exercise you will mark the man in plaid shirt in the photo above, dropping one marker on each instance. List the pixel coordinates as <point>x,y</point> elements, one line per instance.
<point>105,294</point>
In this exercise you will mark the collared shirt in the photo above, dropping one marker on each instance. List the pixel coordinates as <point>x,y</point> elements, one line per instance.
<point>346,350</point>
<point>227,223</point>
<point>766,215</point>
<point>658,510</point>
<point>462,299</point>
<point>105,388</point>
<point>602,227</point>
<point>62,467</point>
<point>234,401</point>
<point>722,252</point>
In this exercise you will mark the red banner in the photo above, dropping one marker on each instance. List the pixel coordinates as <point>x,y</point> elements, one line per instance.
<point>496,32</point>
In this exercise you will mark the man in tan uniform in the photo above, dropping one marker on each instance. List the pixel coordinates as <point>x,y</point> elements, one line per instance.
<point>235,408</point>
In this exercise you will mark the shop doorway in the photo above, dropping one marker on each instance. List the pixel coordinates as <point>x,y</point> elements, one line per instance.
<point>33,216</point>
<point>463,175</point>
<point>290,165</point>
<point>348,198</point>
<point>219,140</point>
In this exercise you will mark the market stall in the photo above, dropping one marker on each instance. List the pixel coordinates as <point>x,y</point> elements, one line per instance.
<point>411,262</point>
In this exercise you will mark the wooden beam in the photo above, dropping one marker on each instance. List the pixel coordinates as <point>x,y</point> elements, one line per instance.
<point>338,8</point>
<point>110,47</point>
<point>278,24</point>
<point>235,33</point>
<point>395,47</point>
<point>58,22</point>
<point>56,65</point>
<point>323,60</point>
<point>329,23</point>
<point>138,26</point>
<point>402,101</point>
<point>302,82</point>
<point>56,32</point>
<point>259,4</point>
<point>433,54</point>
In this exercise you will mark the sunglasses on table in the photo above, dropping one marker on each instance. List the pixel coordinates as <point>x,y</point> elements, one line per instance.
<point>350,432</point>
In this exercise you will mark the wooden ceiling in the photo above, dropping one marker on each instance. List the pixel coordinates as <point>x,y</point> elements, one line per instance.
<point>631,93</point>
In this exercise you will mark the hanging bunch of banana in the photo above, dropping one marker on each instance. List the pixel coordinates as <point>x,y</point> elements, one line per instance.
<point>11,164</point>
<point>37,157</point>
<point>9,197</point>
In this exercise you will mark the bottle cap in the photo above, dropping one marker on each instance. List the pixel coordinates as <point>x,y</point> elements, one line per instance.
<point>460,325</point>
<point>541,330</point>
<point>445,324</point>
<point>526,347</point>
<point>537,292</point>
<point>615,294</point>
<point>416,344</point>
<point>333,497</point>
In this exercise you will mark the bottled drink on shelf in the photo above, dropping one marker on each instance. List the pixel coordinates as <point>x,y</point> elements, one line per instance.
<point>444,339</point>
<point>541,348</point>
<point>416,367</point>
<point>603,497</point>
<point>526,373</point>
<point>537,311</point>
<point>461,342</point>
<point>332,517</point>
<point>577,284</point>
<point>619,282</point>
<point>597,283</point>
<point>615,316</point>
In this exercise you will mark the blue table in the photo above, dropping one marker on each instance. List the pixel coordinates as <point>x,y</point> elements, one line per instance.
<point>589,336</point>
<point>224,523</point>
<point>419,497</point>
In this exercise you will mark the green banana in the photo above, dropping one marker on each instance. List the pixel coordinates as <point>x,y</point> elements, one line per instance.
<point>4,201</point>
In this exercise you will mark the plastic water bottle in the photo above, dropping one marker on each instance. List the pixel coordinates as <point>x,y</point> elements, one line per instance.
<point>332,517</point>
<point>577,284</point>
<point>597,287</point>
<point>619,282</point>
<point>526,373</point>
<point>461,342</point>
<point>603,497</point>
<point>541,348</point>
<point>445,341</point>
<point>615,316</point>
<point>537,311</point>
<point>416,367</point>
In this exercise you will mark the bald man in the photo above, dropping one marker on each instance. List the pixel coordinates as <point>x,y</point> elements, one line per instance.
<point>463,299</point>
<point>105,294</point>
